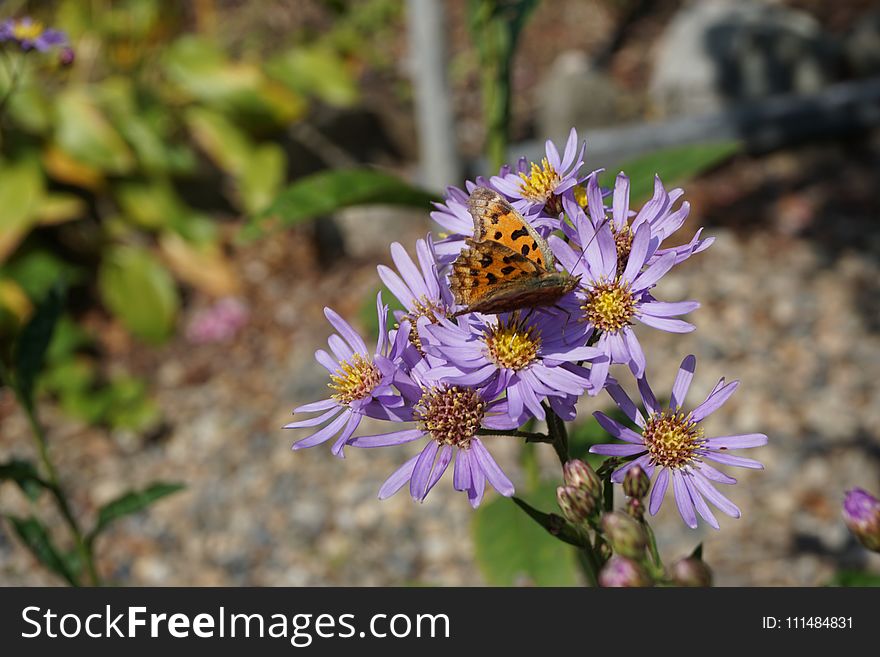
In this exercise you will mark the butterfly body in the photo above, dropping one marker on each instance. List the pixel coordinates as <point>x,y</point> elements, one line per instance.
<point>507,265</point>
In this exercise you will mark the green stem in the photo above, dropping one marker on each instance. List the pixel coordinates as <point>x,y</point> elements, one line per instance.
<point>652,545</point>
<point>82,548</point>
<point>558,432</point>
<point>530,436</point>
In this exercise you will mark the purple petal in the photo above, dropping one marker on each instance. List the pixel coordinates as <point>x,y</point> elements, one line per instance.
<point>340,348</point>
<point>701,506</point>
<point>440,466</point>
<point>637,356</point>
<point>418,484</point>
<point>714,401</point>
<point>710,493</point>
<point>617,430</point>
<point>345,330</point>
<point>741,441</point>
<point>478,482</point>
<point>398,288</point>
<point>683,500</point>
<point>625,404</point>
<point>620,204</point>
<point>322,405</point>
<point>638,253</point>
<point>552,155</point>
<point>490,468</point>
<point>669,325</point>
<point>648,398</point>
<point>396,481</point>
<point>325,359</point>
<point>350,427</point>
<point>665,309</point>
<point>617,450</point>
<point>737,461</point>
<point>658,491</point>
<point>683,381</point>
<point>388,439</point>
<point>461,475</point>
<point>713,474</point>
<point>408,271</point>
<point>654,272</point>
<point>644,462</point>
<point>324,434</point>
<point>314,421</point>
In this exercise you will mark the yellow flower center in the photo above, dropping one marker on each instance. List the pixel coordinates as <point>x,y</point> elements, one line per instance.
<point>27,31</point>
<point>424,307</point>
<point>672,439</point>
<point>609,306</point>
<point>451,415</point>
<point>355,379</point>
<point>541,182</point>
<point>512,345</point>
<point>580,195</point>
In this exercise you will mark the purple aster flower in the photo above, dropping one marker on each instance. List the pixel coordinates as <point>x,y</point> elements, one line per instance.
<point>362,383</point>
<point>610,300</point>
<point>658,213</point>
<point>672,443</point>
<point>535,357</point>
<point>449,416</point>
<point>544,185</point>
<point>29,34</point>
<point>421,290</point>
<point>861,512</point>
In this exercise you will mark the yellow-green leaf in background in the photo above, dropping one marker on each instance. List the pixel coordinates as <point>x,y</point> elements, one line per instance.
<point>222,140</point>
<point>262,177</point>
<point>151,204</point>
<point>58,207</point>
<point>316,71</point>
<point>22,190</point>
<point>83,132</point>
<point>140,292</point>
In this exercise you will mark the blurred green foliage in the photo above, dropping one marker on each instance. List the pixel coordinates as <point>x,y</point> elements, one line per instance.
<point>112,170</point>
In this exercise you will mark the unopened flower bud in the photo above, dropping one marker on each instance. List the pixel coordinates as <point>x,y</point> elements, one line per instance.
<point>861,513</point>
<point>67,56</point>
<point>625,534</point>
<point>577,505</point>
<point>635,508</point>
<point>636,483</point>
<point>691,572</point>
<point>578,474</point>
<point>623,572</point>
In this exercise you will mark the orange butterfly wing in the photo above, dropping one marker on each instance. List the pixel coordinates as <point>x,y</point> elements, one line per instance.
<point>497,220</point>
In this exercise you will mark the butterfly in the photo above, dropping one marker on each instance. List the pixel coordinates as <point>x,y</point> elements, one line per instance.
<point>506,265</point>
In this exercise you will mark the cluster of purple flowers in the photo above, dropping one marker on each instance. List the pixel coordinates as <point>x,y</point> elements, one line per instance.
<point>456,380</point>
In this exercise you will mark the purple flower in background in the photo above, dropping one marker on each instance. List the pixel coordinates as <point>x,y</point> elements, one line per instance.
<point>29,34</point>
<point>361,381</point>
<point>219,323</point>
<point>861,512</point>
<point>421,290</point>
<point>449,416</point>
<point>672,443</point>
<point>532,358</point>
<point>611,300</point>
<point>544,185</point>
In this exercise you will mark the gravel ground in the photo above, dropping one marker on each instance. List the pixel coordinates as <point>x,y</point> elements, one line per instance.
<point>790,307</point>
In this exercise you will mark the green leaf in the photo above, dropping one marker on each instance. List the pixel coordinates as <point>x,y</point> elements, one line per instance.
<point>316,71</point>
<point>152,204</point>
<point>131,503</point>
<point>222,140</point>
<point>140,291</point>
<point>262,177</point>
<point>84,133</point>
<point>674,166</point>
<point>854,578</point>
<point>25,475</point>
<point>323,193</point>
<point>32,343</point>
<point>511,548</point>
<point>22,190</point>
<point>35,537</point>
